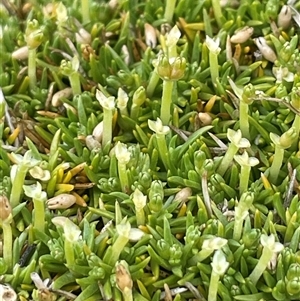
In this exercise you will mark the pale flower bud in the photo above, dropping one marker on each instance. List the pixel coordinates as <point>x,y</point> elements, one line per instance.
<point>267,52</point>
<point>98,131</point>
<point>7,293</point>
<point>242,35</point>
<point>56,99</point>
<point>183,195</point>
<point>20,54</point>
<point>123,278</point>
<point>91,142</point>
<point>284,17</point>
<point>5,208</point>
<point>62,201</point>
<point>83,36</point>
<point>205,118</point>
<point>122,99</point>
<point>150,35</point>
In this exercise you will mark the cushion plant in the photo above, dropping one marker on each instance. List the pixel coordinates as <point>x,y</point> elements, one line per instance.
<point>149,150</point>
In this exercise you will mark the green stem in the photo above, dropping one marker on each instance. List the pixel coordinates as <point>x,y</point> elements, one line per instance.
<point>261,265</point>
<point>39,215</point>
<point>85,10</point>
<point>213,286</point>
<point>169,10</point>
<point>153,82</point>
<point>107,125</point>
<point>69,253</point>
<point>113,252</point>
<point>202,255</point>
<point>165,110</point>
<point>32,67</point>
<point>75,83</point>
<point>296,125</point>
<point>163,149</point>
<point>244,120</point>
<point>244,178</point>
<point>238,228</point>
<point>123,177</point>
<point>127,294</point>
<point>140,217</point>
<point>227,159</point>
<point>17,186</point>
<point>276,164</point>
<point>214,67</point>
<point>134,112</point>
<point>217,12</point>
<point>7,244</point>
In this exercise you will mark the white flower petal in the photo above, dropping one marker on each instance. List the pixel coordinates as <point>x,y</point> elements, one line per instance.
<point>122,153</point>
<point>173,37</point>
<point>139,199</point>
<point>107,103</point>
<point>135,234</point>
<point>219,263</point>
<point>158,127</point>
<point>213,45</point>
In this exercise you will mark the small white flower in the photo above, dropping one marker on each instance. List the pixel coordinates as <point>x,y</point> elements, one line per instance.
<point>61,13</point>
<point>107,103</point>
<point>71,231</point>
<point>158,127</point>
<point>35,191</point>
<point>214,243</point>
<point>235,137</point>
<point>122,99</point>
<point>40,174</point>
<point>122,153</point>
<point>219,263</point>
<point>245,160</point>
<point>269,242</point>
<point>135,234</point>
<point>172,37</point>
<point>123,229</point>
<point>27,160</point>
<point>213,45</point>
<point>283,73</point>
<point>139,199</point>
